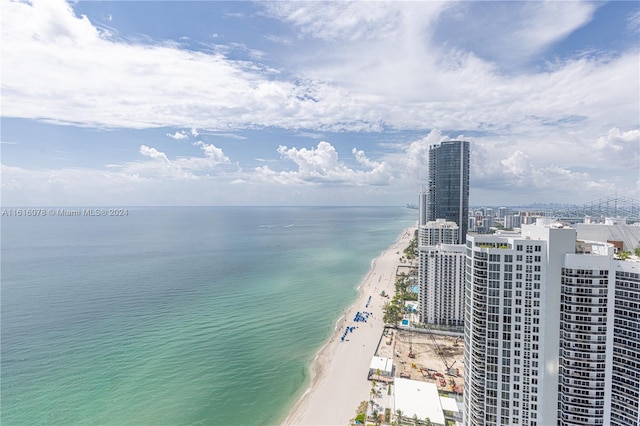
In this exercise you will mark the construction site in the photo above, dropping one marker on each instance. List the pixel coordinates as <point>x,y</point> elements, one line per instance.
<point>425,356</point>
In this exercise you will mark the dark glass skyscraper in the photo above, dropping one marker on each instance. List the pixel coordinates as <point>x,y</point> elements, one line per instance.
<point>448,186</point>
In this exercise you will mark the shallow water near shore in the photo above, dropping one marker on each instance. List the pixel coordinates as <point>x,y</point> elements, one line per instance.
<point>194,315</point>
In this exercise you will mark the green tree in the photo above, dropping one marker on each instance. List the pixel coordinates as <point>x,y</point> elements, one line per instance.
<point>636,251</point>
<point>398,416</point>
<point>376,417</point>
<point>391,312</point>
<point>624,255</point>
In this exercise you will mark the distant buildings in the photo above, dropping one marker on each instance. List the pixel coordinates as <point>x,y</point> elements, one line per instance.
<point>552,333</point>
<point>512,221</point>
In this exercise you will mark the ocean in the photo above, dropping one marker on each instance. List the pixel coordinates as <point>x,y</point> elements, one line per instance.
<point>176,316</point>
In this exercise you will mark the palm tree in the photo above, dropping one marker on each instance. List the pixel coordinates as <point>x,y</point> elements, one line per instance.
<point>376,417</point>
<point>399,416</point>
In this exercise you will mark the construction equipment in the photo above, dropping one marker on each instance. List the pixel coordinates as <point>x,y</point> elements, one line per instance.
<point>449,368</point>
<point>411,354</point>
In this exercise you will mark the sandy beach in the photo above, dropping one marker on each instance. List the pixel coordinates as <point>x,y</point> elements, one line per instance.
<point>339,371</point>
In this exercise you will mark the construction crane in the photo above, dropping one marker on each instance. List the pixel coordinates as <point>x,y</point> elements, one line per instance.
<point>440,352</point>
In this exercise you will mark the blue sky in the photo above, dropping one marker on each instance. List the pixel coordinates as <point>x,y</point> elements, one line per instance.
<point>315,103</point>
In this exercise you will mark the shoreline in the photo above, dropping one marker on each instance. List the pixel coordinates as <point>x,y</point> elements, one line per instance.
<point>338,372</point>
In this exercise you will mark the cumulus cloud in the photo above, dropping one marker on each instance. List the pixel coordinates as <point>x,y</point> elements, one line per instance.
<point>416,156</point>
<point>178,135</point>
<point>213,153</point>
<point>161,166</point>
<point>617,149</point>
<point>361,158</point>
<point>322,165</point>
<point>153,153</point>
<point>516,173</point>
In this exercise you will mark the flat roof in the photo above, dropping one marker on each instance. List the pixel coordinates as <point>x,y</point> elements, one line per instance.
<point>449,404</point>
<point>418,398</point>
<point>382,364</point>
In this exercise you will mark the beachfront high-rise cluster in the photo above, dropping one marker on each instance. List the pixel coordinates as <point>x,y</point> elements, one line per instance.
<point>552,334</point>
<point>442,226</point>
<point>551,314</point>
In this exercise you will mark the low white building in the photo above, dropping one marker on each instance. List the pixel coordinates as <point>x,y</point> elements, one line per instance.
<point>381,366</point>
<point>451,408</point>
<point>419,399</point>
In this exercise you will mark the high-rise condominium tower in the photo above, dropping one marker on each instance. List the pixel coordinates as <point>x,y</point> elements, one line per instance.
<point>448,186</point>
<point>441,278</point>
<point>551,331</point>
<point>441,274</point>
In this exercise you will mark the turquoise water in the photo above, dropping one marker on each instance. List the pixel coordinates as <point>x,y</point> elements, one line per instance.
<point>176,316</point>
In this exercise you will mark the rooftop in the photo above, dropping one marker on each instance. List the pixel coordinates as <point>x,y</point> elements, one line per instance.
<point>418,398</point>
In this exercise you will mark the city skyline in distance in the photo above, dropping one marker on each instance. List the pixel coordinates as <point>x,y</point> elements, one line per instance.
<point>239,103</point>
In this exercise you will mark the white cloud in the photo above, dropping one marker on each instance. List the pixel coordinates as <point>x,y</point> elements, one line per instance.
<point>321,165</point>
<point>153,153</point>
<point>618,149</point>
<point>375,66</point>
<point>350,66</point>
<point>179,135</point>
<point>499,169</point>
<point>361,158</point>
<point>510,33</point>
<point>416,157</point>
<point>160,166</point>
<point>213,153</point>
<point>92,80</point>
<point>517,174</point>
<point>182,168</point>
<point>339,20</point>
<point>633,22</point>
